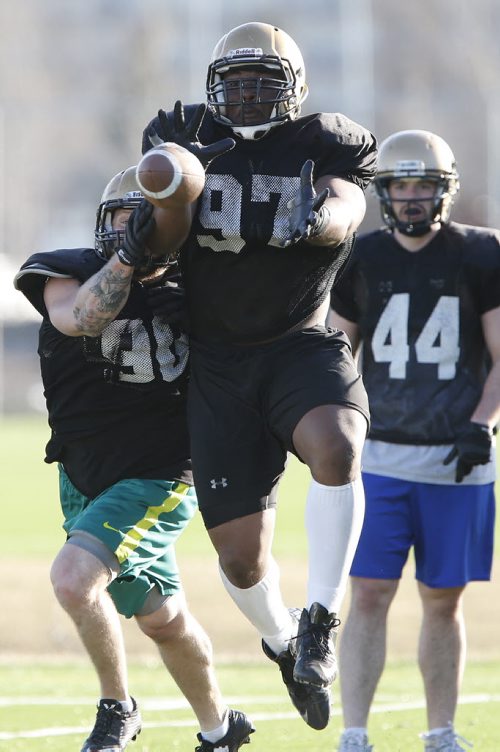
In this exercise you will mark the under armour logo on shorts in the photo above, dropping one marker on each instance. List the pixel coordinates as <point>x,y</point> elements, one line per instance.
<point>222,483</point>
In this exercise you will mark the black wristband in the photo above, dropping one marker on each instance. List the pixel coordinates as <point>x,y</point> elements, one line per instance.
<point>124,258</point>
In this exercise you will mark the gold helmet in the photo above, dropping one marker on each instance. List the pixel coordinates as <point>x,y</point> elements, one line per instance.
<point>416,154</point>
<point>274,54</point>
<point>122,192</point>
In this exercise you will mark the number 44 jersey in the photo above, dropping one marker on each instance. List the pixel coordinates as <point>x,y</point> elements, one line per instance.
<point>424,358</point>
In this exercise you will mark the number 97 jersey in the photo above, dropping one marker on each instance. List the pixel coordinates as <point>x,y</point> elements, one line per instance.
<point>424,358</point>
<point>242,285</point>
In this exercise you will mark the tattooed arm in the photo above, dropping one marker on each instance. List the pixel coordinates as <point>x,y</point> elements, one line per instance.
<point>77,310</point>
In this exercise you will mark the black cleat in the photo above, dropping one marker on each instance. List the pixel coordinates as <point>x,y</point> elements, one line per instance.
<point>316,663</point>
<point>114,727</point>
<point>313,703</point>
<point>240,728</point>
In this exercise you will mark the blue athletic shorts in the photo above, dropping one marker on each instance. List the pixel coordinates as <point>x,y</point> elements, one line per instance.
<point>450,528</point>
<point>139,522</point>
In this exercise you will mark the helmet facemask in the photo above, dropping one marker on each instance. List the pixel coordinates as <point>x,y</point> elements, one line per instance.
<point>277,89</point>
<point>436,207</point>
<point>122,192</point>
<point>107,239</point>
<point>421,155</point>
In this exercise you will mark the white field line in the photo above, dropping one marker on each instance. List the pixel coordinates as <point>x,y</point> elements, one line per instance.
<point>44,733</point>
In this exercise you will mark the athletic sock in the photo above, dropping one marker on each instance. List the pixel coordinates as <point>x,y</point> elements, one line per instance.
<point>127,705</point>
<point>356,731</point>
<point>217,733</point>
<point>263,606</point>
<point>439,730</point>
<point>334,517</point>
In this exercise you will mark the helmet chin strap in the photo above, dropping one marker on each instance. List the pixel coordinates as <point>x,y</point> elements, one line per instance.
<point>416,230</point>
<point>254,132</point>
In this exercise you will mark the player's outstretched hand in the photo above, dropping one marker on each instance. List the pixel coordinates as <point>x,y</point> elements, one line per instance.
<point>186,134</point>
<point>140,225</point>
<point>307,213</point>
<point>472,447</point>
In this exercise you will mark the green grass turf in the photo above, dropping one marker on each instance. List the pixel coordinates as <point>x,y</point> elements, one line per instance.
<point>30,493</point>
<point>31,524</point>
<point>54,695</point>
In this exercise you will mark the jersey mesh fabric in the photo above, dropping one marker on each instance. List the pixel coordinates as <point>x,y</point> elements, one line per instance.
<point>243,287</point>
<point>424,357</point>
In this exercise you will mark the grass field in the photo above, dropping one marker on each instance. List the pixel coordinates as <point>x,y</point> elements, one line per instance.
<point>47,689</point>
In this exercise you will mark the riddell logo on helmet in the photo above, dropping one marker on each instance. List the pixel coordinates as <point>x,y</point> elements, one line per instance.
<point>246,52</point>
<point>409,167</point>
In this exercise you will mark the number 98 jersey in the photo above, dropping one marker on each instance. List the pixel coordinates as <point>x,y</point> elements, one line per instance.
<point>424,358</point>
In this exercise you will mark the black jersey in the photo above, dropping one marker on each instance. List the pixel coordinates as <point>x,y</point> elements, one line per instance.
<point>242,286</point>
<point>116,402</point>
<point>424,358</point>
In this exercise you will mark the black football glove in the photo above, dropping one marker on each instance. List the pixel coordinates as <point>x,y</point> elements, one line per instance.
<point>472,447</point>
<point>140,225</point>
<point>186,134</point>
<point>167,301</point>
<point>308,216</point>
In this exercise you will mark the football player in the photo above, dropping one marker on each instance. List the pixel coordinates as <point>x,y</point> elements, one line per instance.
<point>421,301</point>
<point>274,226</point>
<point>113,360</point>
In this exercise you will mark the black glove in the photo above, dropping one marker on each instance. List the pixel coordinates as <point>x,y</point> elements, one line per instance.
<point>186,134</point>
<point>472,447</point>
<point>140,225</point>
<point>308,216</point>
<point>167,301</point>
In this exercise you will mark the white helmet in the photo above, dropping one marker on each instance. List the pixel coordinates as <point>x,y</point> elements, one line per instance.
<point>265,48</point>
<point>416,154</point>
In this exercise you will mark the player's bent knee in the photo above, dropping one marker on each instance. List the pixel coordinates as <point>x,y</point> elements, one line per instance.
<point>79,574</point>
<point>162,617</point>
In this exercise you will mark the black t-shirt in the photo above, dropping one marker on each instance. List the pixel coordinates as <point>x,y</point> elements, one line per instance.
<point>116,403</point>
<point>242,286</point>
<point>424,358</point>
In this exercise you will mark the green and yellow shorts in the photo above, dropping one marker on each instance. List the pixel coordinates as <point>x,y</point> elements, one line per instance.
<point>138,521</point>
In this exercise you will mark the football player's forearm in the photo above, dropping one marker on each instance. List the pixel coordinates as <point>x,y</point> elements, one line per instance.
<point>102,297</point>
<point>338,227</point>
<point>345,206</point>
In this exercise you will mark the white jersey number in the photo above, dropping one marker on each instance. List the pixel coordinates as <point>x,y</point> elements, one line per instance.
<point>438,342</point>
<point>221,208</point>
<point>126,343</point>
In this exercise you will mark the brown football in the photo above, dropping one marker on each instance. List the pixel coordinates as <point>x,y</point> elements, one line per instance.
<point>170,175</point>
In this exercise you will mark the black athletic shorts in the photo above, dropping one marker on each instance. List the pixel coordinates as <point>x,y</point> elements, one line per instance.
<point>244,404</point>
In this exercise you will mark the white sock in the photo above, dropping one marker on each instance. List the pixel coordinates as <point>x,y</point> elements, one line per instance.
<point>356,731</point>
<point>333,518</point>
<point>440,730</point>
<point>217,733</point>
<point>263,606</point>
<point>127,705</point>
